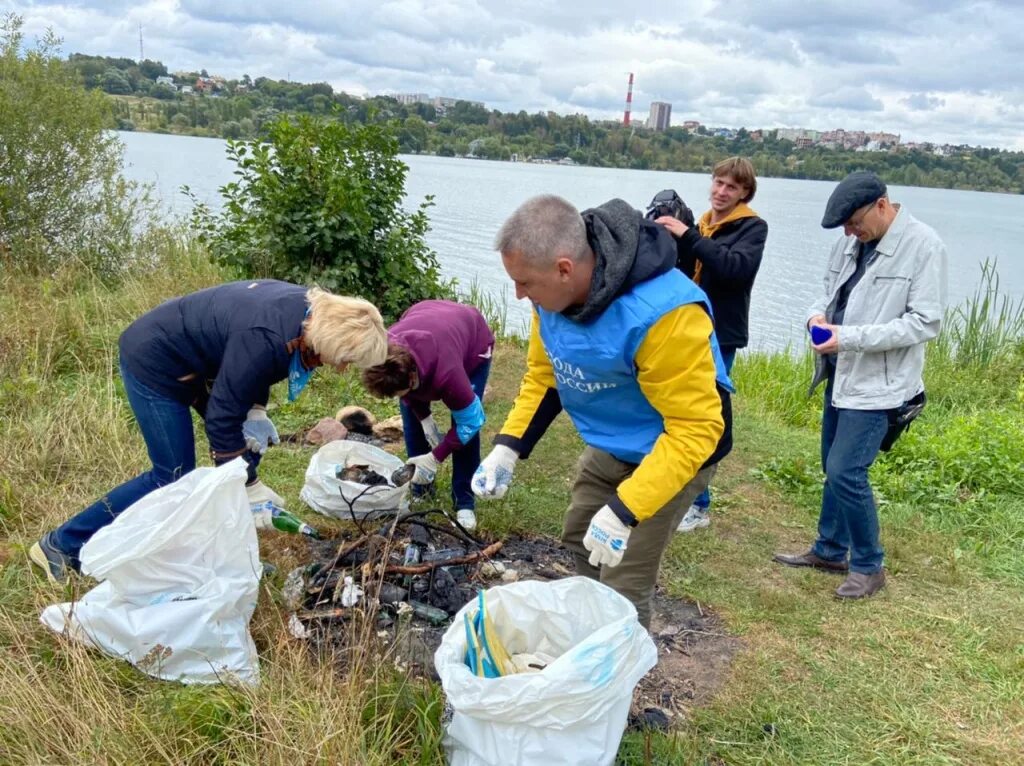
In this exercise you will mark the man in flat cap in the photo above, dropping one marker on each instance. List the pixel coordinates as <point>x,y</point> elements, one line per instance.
<point>884,294</point>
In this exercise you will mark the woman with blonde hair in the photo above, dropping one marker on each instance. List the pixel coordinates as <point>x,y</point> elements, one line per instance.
<point>219,351</point>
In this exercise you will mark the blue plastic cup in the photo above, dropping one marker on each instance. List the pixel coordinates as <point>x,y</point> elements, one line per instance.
<point>819,334</point>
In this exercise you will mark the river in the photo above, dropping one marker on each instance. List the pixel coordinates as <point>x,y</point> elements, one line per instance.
<point>473,197</point>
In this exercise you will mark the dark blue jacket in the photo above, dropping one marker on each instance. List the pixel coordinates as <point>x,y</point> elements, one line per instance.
<point>219,350</point>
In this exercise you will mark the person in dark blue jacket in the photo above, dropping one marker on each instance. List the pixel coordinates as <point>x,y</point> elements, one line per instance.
<point>219,351</point>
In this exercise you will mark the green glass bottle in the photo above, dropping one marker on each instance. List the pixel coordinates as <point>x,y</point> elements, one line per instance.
<point>286,522</point>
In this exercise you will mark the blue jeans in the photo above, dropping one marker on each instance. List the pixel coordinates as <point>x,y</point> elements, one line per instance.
<point>166,426</point>
<point>848,525</point>
<point>465,460</point>
<point>703,500</point>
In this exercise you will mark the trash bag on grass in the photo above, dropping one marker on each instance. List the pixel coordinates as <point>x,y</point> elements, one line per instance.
<point>573,712</point>
<point>179,574</point>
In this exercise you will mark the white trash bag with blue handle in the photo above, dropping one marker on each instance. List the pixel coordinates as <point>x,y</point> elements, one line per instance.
<point>571,713</point>
<point>179,572</point>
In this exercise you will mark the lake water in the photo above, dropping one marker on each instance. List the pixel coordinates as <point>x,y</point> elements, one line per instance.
<point>473,197</point>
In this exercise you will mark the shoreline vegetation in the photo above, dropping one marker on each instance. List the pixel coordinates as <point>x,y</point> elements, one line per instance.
<point>930,671</point>
<point>239,109</point>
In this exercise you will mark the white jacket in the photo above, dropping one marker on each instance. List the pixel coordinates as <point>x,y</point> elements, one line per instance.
<point>891,313</point>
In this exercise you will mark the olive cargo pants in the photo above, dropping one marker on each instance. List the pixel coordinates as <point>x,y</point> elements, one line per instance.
<point>598,475</point>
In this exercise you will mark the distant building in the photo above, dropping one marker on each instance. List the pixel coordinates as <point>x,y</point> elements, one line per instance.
<point>691,125</point>
<point>412,98</point>
<point>793,134</point>
<point>444,103</point>
<point>661,115</point>
<point>885,139</point>
<point>165,80</point>
<point>440,103</point>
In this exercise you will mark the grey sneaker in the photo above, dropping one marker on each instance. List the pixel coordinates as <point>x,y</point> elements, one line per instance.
<point>695,518</point>
<point>52,560</point>
<point>467,518</point>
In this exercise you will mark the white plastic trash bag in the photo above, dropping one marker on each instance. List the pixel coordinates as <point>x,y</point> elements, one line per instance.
<point>180,576</point>
<point>573,712</point>
<point>325,493</point>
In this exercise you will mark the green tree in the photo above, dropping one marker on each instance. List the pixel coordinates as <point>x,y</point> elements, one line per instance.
<point>320,202</point>
<point>152,69</point>
<point>114,81</point>
<point>62,197</point>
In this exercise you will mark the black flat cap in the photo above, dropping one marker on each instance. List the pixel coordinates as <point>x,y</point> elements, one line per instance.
<point>853,192</point>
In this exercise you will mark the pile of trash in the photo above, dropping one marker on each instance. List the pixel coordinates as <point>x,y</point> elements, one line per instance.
<point>419,567</point>
<point>403,580</point>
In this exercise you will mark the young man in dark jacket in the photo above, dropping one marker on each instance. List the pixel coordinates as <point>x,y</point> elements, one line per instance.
<point>722,254</point>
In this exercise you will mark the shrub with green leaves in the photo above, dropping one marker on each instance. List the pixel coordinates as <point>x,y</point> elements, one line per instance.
<point>319,201</point>
<point>62,196</point>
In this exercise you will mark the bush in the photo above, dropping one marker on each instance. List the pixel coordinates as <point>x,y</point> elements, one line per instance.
<point>320,202</point>
<point>62,197</point>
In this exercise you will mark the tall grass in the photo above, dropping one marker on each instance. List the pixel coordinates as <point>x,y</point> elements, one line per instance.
<point>66,436</point>
<point>495,310</point>
<point>985,328</point>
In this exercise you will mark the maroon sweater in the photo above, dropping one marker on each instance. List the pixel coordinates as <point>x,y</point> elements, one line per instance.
<point>448,341</point>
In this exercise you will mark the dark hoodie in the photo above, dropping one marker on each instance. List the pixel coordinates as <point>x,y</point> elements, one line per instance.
<point>628,250</point>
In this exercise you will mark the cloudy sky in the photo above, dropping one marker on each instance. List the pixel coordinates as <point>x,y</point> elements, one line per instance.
<point>928,69</point>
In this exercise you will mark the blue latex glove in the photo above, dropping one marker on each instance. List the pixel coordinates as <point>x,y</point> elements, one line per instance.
<point>606,539</point>
<point>259,431</point>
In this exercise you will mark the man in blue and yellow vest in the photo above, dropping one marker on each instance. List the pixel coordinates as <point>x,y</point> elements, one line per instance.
<point>624,342</point>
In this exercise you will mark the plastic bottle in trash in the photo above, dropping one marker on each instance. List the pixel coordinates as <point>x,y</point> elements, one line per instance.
<point>282,520</point>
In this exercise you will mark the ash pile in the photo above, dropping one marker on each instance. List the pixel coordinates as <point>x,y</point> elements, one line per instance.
<point>394,588</point>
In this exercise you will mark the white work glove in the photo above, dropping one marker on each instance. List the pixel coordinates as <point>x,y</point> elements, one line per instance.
<point>259,431</point>
<point>262,502</point>
<point>606,539</point>
<point>426,468</point>
<point>494,474</point>
<point>431,431</point>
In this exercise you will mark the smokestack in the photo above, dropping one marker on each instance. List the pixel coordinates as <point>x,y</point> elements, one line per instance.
<point>629,100</point>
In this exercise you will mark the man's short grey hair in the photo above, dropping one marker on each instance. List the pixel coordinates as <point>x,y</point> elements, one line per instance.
<point>544,228</point>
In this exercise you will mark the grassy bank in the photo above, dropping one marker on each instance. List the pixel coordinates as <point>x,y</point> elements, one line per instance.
<point>929,672</point>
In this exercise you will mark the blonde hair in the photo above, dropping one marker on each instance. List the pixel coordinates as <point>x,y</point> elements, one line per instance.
<point>340,329</point>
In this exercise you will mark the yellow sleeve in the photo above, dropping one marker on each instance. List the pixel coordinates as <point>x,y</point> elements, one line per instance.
<point>537,403</point>
<point>676,372</point>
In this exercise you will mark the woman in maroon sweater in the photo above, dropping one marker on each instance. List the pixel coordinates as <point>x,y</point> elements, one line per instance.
<point>439,351</point>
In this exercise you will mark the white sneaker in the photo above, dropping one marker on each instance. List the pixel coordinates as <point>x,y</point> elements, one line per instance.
<point>466,518</point>
<point>695,518</point>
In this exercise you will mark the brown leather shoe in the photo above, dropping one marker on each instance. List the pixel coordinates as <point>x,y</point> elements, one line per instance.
<point>860,585</point>
<point>811,559</point>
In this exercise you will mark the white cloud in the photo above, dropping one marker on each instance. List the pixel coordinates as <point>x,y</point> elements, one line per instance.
<point>936,70</point>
